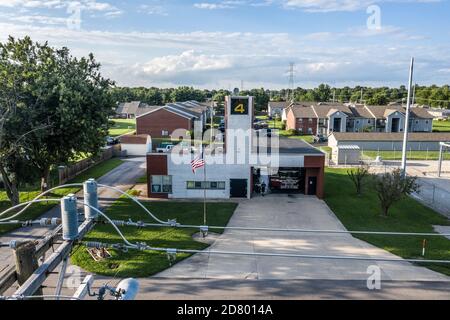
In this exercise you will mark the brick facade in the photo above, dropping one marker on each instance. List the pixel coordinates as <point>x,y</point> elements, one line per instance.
<point>315,167</point>
<point>156,166</point>
<point>301,125</point>
<point>161,120</point>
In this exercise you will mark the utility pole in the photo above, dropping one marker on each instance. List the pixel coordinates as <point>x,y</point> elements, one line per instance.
<point>26,263</point>
<point>408,108</point>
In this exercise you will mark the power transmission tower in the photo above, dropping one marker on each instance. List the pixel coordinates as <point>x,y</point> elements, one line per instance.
<point>290,94</point>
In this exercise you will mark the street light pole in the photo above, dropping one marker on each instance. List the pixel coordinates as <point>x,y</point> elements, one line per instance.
<point>408,108</point>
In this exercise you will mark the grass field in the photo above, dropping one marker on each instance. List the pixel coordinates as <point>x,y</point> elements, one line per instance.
<point>412,155</point>
<point>408,215</point>
<point>146,263</point>
<point>38,209</point>
<point>122,126</point>
<point>441,126</point>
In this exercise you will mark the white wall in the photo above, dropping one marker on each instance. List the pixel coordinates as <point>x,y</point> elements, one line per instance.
<point>181,173</point>
<point>135,149</point>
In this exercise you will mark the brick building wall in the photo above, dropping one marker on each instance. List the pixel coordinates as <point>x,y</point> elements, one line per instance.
<point>161,120</point>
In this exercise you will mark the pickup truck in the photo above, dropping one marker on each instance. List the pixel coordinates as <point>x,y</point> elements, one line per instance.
<point>165,148</point>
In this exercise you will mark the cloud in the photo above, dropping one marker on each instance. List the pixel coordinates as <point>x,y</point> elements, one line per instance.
<point>188,61</point>
<point>84,5</point>
<point>213,6</point>
<point>223,59</point>
<point>340,5</point>
<point>312,6</point>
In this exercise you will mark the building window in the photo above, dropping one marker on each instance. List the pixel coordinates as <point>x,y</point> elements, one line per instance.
<point>310,130</point>
<point>165,133</point>
<point>205,185</point>
<point>426,122</point>
<point>300,130</point>
<point>161,184</point>
<point>369,121</point>
<point>300,120</point>
<point>310,120</point>
<point>417,121</point>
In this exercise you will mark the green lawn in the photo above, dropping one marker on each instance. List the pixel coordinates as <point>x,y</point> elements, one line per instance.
<point>412,155</point>
<point>408,215</point>
<point>146,263</point>
<point>122,126</point>
<point>441,126</point>
<point>38,209</point>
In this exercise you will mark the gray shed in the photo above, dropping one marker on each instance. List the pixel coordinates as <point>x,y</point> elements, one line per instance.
<point>346,154</point>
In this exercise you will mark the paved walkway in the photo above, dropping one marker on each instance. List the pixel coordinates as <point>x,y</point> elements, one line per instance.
<point>122,177</point>
<point>282,211</point>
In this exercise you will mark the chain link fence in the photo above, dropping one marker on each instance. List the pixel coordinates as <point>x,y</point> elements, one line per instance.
<point>434,196</point>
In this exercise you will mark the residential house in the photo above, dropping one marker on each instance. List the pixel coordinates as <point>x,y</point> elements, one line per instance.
<point>277,107</point>
<point>130,110</point>
<point>331,117</point>
<point>162,121</point>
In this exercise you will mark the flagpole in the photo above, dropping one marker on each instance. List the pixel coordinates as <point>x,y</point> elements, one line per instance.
<point>204,191</point>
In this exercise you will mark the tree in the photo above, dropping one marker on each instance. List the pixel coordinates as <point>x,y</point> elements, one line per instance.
<point>358,177</point>
<point>392,187</point>
<point>62,104</point>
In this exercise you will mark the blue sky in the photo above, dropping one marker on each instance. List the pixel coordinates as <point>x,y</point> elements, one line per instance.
<point>216,44</point>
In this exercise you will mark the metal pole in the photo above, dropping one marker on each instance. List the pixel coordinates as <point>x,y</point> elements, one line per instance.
<point>441,158</point>
<point>62,274</point>
<point>408,108</point>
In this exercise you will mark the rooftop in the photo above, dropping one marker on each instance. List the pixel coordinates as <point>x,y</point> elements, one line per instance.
<point>289,146</point>
<point>385,136</point>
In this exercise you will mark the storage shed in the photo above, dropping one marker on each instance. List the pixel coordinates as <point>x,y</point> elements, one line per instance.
<point>346,154</point>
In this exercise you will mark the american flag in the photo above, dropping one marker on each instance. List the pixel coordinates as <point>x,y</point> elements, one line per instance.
<point>197,163</point>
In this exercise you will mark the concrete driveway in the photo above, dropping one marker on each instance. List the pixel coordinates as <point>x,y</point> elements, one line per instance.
<point>283,211</point>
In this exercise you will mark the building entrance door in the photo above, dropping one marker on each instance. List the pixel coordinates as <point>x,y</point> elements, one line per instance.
<point>238,188</point>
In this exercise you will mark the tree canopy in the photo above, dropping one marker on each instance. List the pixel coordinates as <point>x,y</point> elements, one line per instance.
<point>53,106</point>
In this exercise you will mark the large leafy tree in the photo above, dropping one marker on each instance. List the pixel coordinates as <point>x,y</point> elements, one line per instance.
<point>61,102</point>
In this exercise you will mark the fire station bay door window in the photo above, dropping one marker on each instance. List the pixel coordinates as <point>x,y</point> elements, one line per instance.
<point>161,184</point>
<point>238,188</point>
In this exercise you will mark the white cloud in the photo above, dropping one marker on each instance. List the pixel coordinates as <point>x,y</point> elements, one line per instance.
<point>340,5</point>
<point>304,5</point>
<point>188,61</point>
<point>84,5</point>
<point>223,59</point>
<point>212,6</point>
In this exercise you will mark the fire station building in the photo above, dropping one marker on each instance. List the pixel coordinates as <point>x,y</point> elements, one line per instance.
<point>237,169</point>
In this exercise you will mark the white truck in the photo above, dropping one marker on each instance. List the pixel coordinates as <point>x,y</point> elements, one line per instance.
<point>165,149</point>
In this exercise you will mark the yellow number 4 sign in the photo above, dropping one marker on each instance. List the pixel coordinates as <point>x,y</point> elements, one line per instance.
<point>240,108</point>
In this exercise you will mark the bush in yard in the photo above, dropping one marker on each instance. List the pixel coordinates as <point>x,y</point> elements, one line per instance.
<point>358,177</point>
<point>292,132</point>
<point>392,187</point>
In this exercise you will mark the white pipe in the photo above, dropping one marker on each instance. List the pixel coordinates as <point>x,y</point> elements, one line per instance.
<point>136,201</point>
<point>285,255</point>
<point>27,204</point>
<point>136,224</point>
<point>43,194</point>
